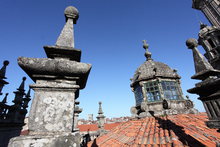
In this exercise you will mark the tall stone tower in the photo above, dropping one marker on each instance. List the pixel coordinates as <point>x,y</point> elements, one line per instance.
<point>209,39</point>
<point>58,81</point>
<point>208,87</point>
<point>157,90</point>
<point>210,8</point>
<point>208,71</point>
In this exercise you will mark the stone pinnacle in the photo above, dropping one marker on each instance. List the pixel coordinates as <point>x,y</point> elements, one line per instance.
<point>66,38</point>
<point>100,108</point>
<point>201,64</point>
<point>3,69</point>
<point>21,87</point>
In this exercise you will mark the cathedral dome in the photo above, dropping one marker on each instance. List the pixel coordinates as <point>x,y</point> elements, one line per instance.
<point>151,69</point>
<point>157,88</point>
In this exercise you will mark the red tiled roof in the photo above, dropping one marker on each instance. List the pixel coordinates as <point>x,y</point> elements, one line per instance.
<point>175,130</point>
<point>88,127</point>
<point>111,126</point>
<point>94,127</point>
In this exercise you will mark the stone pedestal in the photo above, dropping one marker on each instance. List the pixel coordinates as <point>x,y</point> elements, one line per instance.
<point>52,106</point>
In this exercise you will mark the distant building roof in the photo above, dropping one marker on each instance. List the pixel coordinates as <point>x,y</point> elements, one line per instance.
<point>175,130</point>
<point>94,127</point>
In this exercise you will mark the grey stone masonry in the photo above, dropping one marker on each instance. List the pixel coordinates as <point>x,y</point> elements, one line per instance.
<point>210,8</point>
<point>58,81</point>
<point>210,41</point>
<point>208,89</point>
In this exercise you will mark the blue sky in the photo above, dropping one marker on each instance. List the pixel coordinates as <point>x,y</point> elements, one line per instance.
<point>110,34</point>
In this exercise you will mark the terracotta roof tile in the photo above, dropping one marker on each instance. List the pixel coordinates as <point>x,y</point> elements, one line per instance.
<point>176,130</point>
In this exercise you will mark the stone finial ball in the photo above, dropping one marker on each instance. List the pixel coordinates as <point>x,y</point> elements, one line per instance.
<point>71,11</point>
<point>5,63</point>
<point>24,78</point>
<point>191,43</point>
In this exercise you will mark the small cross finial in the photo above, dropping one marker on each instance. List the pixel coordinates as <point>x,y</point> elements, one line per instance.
<point>145,45</point>
<point>147,53</point>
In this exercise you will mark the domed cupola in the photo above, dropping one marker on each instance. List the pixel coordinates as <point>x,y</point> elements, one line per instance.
<point>209,38</point>
<point>157,87</point>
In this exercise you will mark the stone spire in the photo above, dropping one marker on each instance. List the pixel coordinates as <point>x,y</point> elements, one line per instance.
<point>19,93</point>
<point>100,112</point>
<point>66,38</point>
<point>202,67</point>
<point>100,117</point>
<point>21,87</point>
<point>26,99</point>
<point>147,53</point>
<point>28,95</point>
<point>3,69</point>
<point>5,98</point>
<point>2,75</point>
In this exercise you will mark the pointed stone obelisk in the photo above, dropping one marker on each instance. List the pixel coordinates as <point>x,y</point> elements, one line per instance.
<point>202,66</point>
<point>208,89</point>
<point>58,81</point>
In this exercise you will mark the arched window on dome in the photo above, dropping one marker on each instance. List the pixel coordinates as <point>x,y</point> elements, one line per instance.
<point>170,90</point>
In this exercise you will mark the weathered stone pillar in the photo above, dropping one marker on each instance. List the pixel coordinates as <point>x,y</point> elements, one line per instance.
<point>52,106</point>
<point>58,81</point>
